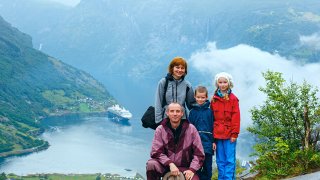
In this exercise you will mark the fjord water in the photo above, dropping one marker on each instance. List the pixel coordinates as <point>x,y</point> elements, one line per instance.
<point>95,144</point>
<point>87,145</point>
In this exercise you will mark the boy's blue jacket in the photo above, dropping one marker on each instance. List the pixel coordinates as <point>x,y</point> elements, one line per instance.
<point>201,117</point>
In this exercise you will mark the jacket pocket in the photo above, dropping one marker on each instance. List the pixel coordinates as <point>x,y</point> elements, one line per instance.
<point>227,129</point>
<point>219,128</point>
<point>228,113</point>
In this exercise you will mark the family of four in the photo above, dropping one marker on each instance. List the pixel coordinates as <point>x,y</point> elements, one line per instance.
<point>183,145</point>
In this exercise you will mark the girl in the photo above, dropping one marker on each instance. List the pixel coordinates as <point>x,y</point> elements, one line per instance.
<point>225,107</point>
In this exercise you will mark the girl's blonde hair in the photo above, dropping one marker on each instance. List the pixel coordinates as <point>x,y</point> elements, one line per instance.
<point>225,75</point>
<point>228,77</point>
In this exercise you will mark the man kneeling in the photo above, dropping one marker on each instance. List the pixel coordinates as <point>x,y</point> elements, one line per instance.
<point>176,147</point>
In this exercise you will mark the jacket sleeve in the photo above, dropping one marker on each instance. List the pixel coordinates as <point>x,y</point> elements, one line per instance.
<point>190,100</point>
<point>158,147</point>
<point>211,105</point>
<point>235,119</point>
<point>158,101</point>
<point>198,152</point>
<point>191,117</point>
<point>212,125</point>
<point>212,111</point>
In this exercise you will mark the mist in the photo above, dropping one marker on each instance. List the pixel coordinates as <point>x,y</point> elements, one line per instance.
<point>312,41</point>
<point>246,64</point>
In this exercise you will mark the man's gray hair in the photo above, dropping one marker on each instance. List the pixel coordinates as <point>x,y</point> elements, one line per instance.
<point>182,108</point>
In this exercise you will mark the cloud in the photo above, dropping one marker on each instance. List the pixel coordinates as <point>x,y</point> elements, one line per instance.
<point>246,64</point>
<point>312,41</point>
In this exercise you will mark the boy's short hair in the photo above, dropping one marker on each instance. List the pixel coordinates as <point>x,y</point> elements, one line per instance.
<point>201,89</point>
<point>176,62</point>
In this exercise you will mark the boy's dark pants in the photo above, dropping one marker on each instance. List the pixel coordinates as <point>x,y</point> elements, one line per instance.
<point>205,172</point>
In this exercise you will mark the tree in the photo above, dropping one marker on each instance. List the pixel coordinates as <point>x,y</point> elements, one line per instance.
<point>285,128</point>
<point>290,112</point>
<point>3,176</point>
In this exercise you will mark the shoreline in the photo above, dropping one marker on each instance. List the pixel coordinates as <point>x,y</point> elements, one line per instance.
<point>98,113</point>
<point>46,144</point>
<point>93,176</point>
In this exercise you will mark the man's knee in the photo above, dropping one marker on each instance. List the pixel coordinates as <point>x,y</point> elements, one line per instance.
<point>153,164</point>
<point>154,170</point>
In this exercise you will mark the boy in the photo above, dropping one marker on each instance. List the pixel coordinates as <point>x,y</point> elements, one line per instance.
<point>201,117</point>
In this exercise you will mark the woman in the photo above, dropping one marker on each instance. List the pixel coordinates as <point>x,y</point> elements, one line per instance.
<point>177,89</point>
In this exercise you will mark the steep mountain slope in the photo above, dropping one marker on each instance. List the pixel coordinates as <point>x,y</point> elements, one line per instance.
<point>34,85</point>
<point>125,42</point>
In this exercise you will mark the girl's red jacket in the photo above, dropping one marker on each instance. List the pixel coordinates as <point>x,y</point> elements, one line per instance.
<point>226,114</point>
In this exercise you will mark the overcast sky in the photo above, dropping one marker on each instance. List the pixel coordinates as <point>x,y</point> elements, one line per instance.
<point>246,64</point>
<point>67,2</point>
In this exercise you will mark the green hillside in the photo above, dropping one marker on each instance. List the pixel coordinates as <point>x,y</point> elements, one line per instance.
<point>34,85</point>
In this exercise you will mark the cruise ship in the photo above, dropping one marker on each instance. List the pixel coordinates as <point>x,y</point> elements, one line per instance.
<point>119,114</point>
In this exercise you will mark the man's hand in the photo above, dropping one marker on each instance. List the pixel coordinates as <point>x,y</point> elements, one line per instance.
<point>188,174</point>
<point>174,170</point>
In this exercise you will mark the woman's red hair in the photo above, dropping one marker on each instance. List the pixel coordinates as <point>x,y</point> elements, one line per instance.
<point>176,62</point>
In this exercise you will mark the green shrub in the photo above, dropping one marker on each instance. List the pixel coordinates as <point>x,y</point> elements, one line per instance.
<point>281,162</point>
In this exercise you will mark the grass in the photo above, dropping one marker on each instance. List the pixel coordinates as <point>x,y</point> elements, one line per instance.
<point>97,176</point>
<point>239,170</point>
<point>55,177</point>
<point>84,107</point>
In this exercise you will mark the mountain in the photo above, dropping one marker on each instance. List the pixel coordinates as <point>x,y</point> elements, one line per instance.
<point>123,43</point>
<point>33,86</point>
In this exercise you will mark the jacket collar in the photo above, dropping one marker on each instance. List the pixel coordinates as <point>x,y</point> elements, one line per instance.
<point>183,122</point>
<point>202,106</point>
<point>219,93</point>
<point>171,78</point>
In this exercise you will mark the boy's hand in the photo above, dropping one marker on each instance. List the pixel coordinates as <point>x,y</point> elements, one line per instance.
<point>233,139</point>
<point>214,146</point>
